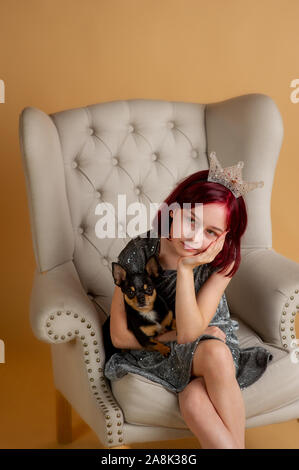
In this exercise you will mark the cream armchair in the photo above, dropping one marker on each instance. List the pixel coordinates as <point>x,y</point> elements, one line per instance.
<point>76,158</point>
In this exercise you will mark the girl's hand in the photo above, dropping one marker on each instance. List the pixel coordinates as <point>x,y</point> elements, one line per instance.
<point>204,257</point>
<point>215,331</point>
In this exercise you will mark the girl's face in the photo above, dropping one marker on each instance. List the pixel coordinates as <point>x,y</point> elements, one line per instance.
<point>192,234</point>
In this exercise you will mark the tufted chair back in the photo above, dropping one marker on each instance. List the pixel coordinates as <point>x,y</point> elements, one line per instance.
<point>141,148</point>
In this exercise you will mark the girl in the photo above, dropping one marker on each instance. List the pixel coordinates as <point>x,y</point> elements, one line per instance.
<point>208,376</point>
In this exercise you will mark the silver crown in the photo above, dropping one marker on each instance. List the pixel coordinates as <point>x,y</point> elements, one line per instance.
<point>230,177</point>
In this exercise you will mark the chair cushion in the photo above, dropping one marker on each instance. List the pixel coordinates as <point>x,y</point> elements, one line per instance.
<point>148,403</point>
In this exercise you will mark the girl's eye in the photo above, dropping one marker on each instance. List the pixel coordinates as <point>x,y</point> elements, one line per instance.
<point>193,221</point>
<point>212,232</point>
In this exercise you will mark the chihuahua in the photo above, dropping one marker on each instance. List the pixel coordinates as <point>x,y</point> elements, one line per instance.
<point>148,315</point>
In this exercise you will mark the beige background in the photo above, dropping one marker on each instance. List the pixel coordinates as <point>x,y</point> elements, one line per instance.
<point>60,54</point>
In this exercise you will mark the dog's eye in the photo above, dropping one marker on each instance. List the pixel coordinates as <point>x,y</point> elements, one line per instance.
<point>130,292</point>
<point>148,289</point>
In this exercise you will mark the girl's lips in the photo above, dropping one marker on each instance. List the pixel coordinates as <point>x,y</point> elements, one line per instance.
<point>188,248</point>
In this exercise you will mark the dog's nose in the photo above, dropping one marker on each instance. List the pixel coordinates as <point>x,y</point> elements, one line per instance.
<point>141,298</point>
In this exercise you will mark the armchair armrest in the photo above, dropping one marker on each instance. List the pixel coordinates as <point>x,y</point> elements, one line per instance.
<point>60,310</point>
<point>264,293</point>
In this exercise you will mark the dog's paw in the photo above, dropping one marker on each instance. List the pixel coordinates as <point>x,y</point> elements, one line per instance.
<point>163,349</point>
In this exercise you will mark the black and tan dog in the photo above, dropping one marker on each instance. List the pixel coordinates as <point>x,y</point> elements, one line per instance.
<point>148,315</point>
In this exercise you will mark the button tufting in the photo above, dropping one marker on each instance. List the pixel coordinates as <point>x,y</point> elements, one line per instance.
<point>91,131</point>
<point>80,230</point>
<point>137,190</point>
<point>105,262</point>
<point>74,164</point>
<point>114,161</point>
<point>98,194</point>
<point>154,156</point>
<point>131,128</point>
<point>194,153</point>
<point>170,125</point>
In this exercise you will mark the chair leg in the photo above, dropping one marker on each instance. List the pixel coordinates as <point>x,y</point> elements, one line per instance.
<point>63,419</point>
<point>119,447</point>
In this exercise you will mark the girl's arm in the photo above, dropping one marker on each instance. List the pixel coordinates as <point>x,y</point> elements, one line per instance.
<point>121,336</point>
<point>168,336</point>
<point>189,320</point>
<point>195,312</point>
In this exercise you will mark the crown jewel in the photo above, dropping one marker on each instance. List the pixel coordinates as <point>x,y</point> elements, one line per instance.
<point>230,177</point>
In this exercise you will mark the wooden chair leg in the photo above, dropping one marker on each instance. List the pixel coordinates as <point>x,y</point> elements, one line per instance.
<point>120,447</point>
<point>63,419</point>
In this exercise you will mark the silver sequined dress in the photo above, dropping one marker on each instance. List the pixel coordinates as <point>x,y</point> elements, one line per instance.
<point>174,371</point>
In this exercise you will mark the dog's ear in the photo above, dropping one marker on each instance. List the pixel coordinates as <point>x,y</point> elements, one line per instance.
<point>119,273</point>
<point>152,266</point>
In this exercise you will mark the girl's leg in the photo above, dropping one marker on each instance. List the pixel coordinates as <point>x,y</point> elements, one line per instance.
<point>213,361</point>
<point>202,418</point>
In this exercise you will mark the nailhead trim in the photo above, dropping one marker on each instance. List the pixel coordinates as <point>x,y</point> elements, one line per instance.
<point>287,317</point>
<point>106,400</point>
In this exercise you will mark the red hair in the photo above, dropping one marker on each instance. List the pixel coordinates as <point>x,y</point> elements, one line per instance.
<point>196,189</point>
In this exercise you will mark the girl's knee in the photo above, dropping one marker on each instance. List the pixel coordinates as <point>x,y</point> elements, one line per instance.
<point>217,351</point>
<point>214,355</point>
